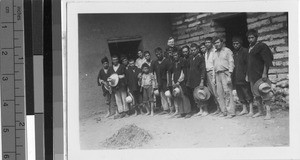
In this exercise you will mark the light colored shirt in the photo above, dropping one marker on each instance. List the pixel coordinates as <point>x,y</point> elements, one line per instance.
<point>139,62</point>
<point>116,67</point>
<point>147,80</point>
<point>209,59</point>
<point>223,60</point>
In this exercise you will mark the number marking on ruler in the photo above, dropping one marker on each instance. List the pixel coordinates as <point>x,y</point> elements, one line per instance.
<point>13,109</point>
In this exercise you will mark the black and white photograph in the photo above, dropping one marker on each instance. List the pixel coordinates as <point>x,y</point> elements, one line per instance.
<point>186,79</point>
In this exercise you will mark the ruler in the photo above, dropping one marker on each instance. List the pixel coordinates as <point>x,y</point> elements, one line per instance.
<point>13,109</point>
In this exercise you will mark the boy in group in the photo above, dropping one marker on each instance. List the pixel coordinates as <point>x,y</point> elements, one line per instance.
<point>147,86</point>
<point>140,60</point>
<point>120,89</point>
<point>260,58</point>
<point>133,73</point>
<point>107,92</point>
<point>223,68</point>
<point>196,73</point>
<point>181,101</point>
<point>148,58</point>
<point>161,68</point>
<point>209,53</point>
<point>243,89</point>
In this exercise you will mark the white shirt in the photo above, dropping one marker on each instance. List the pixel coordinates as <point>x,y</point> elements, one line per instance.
<point>139,62</point>
<point>116,67</point>
<point>209,59</point>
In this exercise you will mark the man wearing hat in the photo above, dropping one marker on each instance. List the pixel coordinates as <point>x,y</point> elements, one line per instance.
<point>102,81</point>
<point>181,101</point>
<point>223,68</point>
<point>117,74</point>
<point>196,74</point>
<point>242,87</point>
<point>260,58</point>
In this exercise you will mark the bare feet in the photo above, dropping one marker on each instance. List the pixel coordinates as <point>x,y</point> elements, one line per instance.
<point>152,114</point>
<point>257,115</point>
<point>267,117</point>
<point>204,114</point>
<point>198,114</point>
<point>216,112</point>
<point>107,115</point>
<point>135,113</point>
<point>147,113</point>
<point>250,114</point>
<point>243,112</point>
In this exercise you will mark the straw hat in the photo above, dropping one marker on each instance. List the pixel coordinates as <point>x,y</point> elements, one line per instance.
<point>113,80</point>
<point>262,87</point>
<point>268,96</point>
<point>129,98</point>
<point>201,94</point>
<point>176,91</point>
<point>156,92</point>
<point>168,94</point>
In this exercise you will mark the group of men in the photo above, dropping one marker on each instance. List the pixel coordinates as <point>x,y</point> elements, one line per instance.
<point>195,80</point>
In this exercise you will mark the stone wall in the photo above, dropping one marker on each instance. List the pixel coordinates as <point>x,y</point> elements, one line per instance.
<point>272,29</point>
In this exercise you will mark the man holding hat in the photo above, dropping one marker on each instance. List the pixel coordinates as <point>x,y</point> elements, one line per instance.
<point>196,74</point>
<point>260,58</point>
<point>240,55</point>
<point>223,68</point>
<point>161,68</point>
<point>102,81</point>
<point>181,101</point>
<point>117,73</point>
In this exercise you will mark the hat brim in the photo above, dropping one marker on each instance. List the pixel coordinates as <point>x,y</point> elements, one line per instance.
<point>115,77</point>
<point>196,95</point>
<point>256,85</point>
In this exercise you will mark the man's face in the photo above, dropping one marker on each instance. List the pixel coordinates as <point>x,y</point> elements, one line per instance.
<point>105,65</point>
<point>175,56</point>
<point>115,61</point>
<point>236,45</point>
<point>125,61</point>
<point>131,63</point>
<point>159,55</point>
<point>252,39</point>
<point>194,51</point>
<point>203,49</point>
<point>185,52</point>
<point>147,57</point>
<point>171,42</point>
<point>140,54</point>
<point>218,44</point>
<point>208,44</point>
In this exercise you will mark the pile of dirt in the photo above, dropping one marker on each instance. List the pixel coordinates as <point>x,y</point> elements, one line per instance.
<point>130,136</point>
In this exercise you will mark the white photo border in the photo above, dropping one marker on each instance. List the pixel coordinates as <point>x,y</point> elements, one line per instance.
<point>70,11</point>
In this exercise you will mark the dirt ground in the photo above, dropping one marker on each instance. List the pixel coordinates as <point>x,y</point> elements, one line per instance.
<point>195,132</point>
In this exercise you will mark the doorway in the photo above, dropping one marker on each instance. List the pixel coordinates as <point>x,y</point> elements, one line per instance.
<point>235,25</point>
<point>125,47</point>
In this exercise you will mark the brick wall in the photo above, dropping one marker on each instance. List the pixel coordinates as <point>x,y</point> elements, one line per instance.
<point>272,29</point>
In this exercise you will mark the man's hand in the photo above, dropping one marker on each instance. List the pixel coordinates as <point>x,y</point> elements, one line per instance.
<point>264,77</point>
<point>246,78</point>
<point>140,75</point>
<point>213,81</point>
<point>201,85</point>
<point>229,80</point>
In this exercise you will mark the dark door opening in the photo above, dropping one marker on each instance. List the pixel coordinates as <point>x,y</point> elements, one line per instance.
<point>125,48</point>
<point>235,25</point>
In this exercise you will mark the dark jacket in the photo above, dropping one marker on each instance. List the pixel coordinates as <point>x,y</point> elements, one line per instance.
<point>103,76</point>
<point>161,70</point>
<point>240,62</point>
<point>120,71</point>
<point>257,58</point>
<point>196,71</point>
<point>131,76</point>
